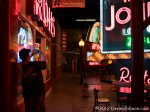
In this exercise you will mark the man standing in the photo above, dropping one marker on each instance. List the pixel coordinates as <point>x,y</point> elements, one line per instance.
<point>32,81</point>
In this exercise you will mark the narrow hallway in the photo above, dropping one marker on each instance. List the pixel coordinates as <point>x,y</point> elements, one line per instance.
<point>66,95</point>
<point>64,90</point>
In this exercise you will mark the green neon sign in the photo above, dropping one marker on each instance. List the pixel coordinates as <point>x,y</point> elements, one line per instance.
<point>128,41</point>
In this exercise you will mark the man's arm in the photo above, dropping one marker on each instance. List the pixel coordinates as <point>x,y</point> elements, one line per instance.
<point>41,65</point>
<point>43,58</point>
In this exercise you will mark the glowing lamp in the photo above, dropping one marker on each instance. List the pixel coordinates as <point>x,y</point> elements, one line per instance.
<point>81,43</point>
<point>109,61</point>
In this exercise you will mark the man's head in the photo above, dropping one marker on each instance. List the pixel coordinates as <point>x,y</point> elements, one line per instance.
<point>24,53</point>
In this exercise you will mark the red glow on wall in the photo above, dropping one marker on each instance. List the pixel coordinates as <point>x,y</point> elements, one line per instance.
<point>45,15</point>
<point>17,7</point>
<point>14,7</point>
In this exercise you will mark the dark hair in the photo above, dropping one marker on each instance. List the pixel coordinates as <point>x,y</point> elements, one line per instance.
<point>23,53</point>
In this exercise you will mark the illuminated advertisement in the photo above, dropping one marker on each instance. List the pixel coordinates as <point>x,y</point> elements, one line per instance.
<point>115,16</point>
<point>123,70</point>
<point>25,38</point>
<point>94,44</point>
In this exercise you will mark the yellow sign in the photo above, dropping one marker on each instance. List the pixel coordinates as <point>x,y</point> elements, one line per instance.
<point>68,3</point>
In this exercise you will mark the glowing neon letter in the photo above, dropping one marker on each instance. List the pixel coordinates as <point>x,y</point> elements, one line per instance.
<point>125,74</point>
<point>144,11</point>
<point>148,40</point>
<point>148,9</point>
<point>126,1</point>
<point>129,41</point>
<point>112,19</point>
<point>126,31</point>
<point>45,15</point>
<point>128,11</point>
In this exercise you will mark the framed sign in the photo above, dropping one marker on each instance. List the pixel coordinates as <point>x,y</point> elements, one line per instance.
<point>115,16</point>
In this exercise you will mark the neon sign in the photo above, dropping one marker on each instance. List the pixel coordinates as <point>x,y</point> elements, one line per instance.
<point>45,15</point>
<point>126,77</point>
<point>126,1</point>
<point>146,41</point>
<point>118,19</point>
<point>115,16</point>
<point>25,37</point>
<point>93,63</point>
<point>128,16</point>
<point>95,46</point>
<point>22,37</point>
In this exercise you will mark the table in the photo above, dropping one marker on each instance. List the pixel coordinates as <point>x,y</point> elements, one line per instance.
<point>125,90</point>
<point>128,84</point>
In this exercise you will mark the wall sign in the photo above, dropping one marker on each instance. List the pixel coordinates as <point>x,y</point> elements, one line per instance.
<point>45,15</point>
<point>25,38</point>
<point>64,41</point>
<point>126,77</point>
<point>68,3</point>
<point>94,47</point>
<point>115,16</point>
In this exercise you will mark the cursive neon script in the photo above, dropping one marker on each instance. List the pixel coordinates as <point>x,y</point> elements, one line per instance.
<point>45,15</point>
<point>126,77</point>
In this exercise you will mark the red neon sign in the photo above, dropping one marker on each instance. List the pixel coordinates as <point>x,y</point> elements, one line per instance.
<point>126,77</point>
<point>44,14</point>
<point>95,46</point>
<point>126,1</point>
<point>128,17</point>
<point>93,63</point>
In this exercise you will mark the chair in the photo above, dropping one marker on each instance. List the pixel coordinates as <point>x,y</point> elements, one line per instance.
<point>98,101</point>
<point>121,97</point>
<point>121,100</point>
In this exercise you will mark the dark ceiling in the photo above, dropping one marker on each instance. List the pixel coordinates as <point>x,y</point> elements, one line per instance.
<point>67,16</point>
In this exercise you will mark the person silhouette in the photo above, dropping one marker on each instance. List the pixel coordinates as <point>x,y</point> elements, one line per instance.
<point>32,81</point>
